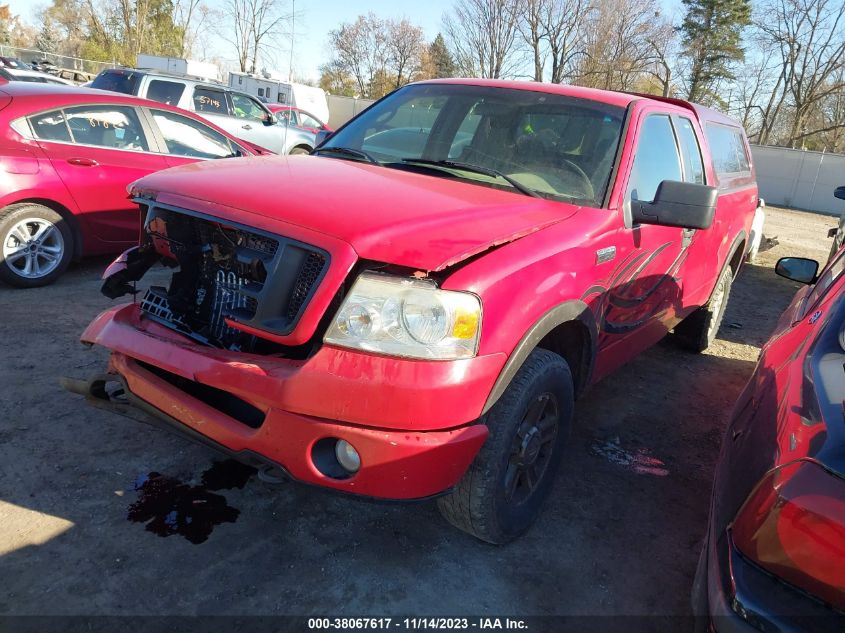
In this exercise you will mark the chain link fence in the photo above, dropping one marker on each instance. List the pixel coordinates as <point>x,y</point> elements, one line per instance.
<point>29,55</point>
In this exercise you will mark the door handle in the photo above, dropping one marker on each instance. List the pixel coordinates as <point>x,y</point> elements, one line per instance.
<point>246,127</point>
<point>83,162</point>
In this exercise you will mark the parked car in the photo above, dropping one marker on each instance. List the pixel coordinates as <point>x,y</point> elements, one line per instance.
<point>37,77</point>
<point>838,234</point>
<point>409,316</point>
<point>774,556</point>
<point>77,77</point>
<point>14,62</point>
<point>300,118</point>
<point>238,113</point>
<point>66,157</point>
<point>43,65</point>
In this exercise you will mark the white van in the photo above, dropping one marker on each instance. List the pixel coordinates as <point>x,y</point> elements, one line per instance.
<point>308,98</point>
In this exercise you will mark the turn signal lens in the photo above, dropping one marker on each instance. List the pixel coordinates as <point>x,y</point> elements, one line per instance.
<point>793,526</point>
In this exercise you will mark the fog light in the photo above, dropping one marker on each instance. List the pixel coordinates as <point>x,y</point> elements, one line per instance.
<point>347,456</point>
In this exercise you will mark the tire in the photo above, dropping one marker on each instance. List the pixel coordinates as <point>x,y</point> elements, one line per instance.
<point>481,504</point>
<point>299,151</point>
<point>47,236</point>
<point>698,331</point>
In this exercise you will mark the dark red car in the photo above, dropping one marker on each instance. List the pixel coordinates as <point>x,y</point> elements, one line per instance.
<point>66,157</point>
<point>774,557</point>
<point>299,118</point>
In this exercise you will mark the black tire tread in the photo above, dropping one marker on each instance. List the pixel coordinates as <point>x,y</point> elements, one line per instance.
<point>691,333</point>
<point>466,507</point>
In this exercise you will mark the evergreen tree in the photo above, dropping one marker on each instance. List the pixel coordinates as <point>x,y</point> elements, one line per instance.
<point>441,59</point>
<point>712,39</point>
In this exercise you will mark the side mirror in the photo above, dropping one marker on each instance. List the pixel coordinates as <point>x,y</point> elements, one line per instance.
<point>839,192</point>
<point>683,204</point>
<point>322,137</point>
<point>797,269</point>
<point>270,119</point>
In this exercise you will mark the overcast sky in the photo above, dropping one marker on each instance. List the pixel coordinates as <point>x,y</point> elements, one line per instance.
<point>316,19</point>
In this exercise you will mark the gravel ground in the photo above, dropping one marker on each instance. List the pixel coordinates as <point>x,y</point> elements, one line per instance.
<point>620,535</point>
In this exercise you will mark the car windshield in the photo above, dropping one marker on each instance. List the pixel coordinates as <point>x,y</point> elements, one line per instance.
<point>117,81</point>
<point>554,146</point>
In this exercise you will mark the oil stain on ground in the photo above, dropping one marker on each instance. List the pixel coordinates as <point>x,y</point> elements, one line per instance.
<point>168,506</point>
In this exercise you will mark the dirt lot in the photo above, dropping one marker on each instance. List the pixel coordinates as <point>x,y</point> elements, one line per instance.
<point>620,535</point>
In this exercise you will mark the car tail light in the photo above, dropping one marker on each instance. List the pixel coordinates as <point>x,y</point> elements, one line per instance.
<point>793,526</point>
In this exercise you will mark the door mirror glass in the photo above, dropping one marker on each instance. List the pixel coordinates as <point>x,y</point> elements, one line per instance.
<point>839,192</point>
<point>797,269</point>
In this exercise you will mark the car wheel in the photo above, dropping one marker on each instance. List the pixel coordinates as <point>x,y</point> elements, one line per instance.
<point>501,494</point>
<point>698,331</point>
<point>36,245</point>
<point>299,151</point>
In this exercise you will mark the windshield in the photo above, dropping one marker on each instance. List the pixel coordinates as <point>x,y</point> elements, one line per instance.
<point>556,146</point>
<point>117,81</point>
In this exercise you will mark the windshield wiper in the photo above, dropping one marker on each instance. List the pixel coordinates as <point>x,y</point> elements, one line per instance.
<point>348,151</point>
<point>487,171</point>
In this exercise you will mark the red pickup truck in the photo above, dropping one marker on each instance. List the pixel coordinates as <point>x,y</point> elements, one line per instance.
<point>411,311</point>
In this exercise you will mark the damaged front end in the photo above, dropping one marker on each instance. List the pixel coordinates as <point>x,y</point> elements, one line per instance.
<point>233,287</point>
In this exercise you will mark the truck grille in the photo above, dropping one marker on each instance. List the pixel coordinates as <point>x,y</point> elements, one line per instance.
<point>224,271</point>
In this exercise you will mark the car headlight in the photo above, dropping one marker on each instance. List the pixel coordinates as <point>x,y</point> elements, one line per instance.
<point>399,316</point>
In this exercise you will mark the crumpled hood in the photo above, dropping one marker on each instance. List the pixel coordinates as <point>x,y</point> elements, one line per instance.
<point>385,214</point>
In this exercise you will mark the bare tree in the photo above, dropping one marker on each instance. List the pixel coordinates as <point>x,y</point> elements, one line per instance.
<point>406,44</point>
<point>253,26</point>
<point>361,50</point>
<point>565,23</point>
<point>483,37</point>
<point>809,36</point>
<point>190,18</point>
<point>533,32</point>
<point>621,44</point>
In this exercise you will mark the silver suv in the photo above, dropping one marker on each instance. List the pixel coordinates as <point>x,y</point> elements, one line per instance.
<point>239,114</point>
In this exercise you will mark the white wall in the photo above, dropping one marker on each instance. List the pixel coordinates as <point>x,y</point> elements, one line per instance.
<point>341,109</point>
<point>798,179</point>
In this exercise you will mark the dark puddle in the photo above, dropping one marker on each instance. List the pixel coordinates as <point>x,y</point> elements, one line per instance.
<point>169,506</point>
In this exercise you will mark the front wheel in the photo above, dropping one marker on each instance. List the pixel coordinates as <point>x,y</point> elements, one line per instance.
<point>36,245</point>
<point>503,490</point>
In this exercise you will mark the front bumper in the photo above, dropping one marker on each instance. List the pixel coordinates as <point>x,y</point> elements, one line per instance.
<point>412,422</point>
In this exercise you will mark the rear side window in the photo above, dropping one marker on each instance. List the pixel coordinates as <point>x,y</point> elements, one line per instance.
<point>656,159</point>
<point>186,137</point>
<point>117,81</point>
<point>690,151</point>
<point>113,126</point>
<point>210,101</point>
<point>727,148</point>
<point>50,126</point>
<point>168,92</point>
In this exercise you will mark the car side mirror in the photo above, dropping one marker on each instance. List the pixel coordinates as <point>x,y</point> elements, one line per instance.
<point>797,269</point>
<point>683,204</point>
<point>839,192</point>
<point>270,119</point>
<point>322,137</point>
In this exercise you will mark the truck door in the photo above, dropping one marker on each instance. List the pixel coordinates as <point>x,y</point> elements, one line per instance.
<point>645,290</point>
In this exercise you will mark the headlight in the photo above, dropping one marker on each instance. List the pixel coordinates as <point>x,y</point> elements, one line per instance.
<point>399,316</point>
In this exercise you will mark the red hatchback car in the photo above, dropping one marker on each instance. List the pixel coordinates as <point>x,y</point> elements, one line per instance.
<point>66,157</point>
<point>774,557</point>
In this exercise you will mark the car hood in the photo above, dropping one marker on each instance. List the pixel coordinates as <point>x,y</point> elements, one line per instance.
<point>387,215</point>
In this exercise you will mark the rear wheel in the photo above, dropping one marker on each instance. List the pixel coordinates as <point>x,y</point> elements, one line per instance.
<point>36,245</point>
<point>503,490</point>
<point>698,331</point>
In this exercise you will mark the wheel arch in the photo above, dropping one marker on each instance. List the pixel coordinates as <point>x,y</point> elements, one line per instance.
<point>568,329</point>
<point>736,255</point>
<point>67,215</point>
